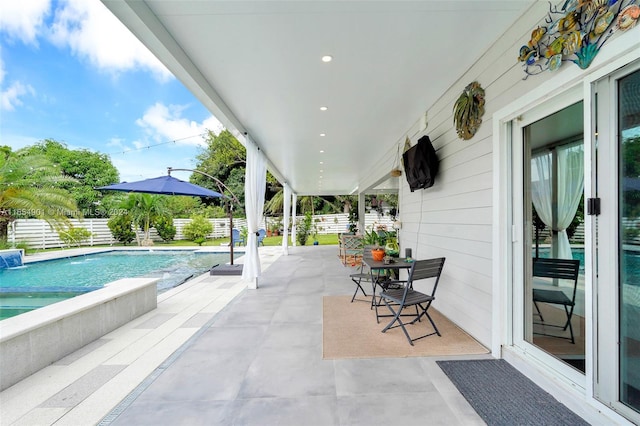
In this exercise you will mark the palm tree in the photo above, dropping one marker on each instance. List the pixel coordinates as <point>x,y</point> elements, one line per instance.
<point>144,209</point>
<point>26,190</point>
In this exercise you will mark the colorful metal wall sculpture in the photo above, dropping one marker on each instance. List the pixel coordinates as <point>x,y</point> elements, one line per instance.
<point>576,32</point>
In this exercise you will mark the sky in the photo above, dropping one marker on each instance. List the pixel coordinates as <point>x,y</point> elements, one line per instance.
<point>70,71</point>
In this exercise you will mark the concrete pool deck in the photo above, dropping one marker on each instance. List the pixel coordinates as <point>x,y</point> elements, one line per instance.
<point>83,387</point>
<point>214,352</point>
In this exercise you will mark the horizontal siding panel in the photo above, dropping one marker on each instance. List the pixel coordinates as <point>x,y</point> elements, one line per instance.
<point>466,248</point>
<point>469,200</point>
<point>462,232</point>
<point>481,215</point>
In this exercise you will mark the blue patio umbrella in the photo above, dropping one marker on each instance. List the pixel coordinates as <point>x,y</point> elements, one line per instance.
<point>166,185</point>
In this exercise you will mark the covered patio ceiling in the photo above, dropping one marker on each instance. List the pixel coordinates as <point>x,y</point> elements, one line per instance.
<point>256,65</point>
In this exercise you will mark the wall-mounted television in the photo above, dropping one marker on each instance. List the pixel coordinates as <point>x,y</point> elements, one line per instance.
<point>420,164</point>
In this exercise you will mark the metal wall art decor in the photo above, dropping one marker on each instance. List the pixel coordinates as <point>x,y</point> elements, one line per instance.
<point>576,32</point>
<point>468,111</point>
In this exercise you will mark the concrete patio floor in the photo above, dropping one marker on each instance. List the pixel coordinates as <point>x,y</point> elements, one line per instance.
<point>214,352</point>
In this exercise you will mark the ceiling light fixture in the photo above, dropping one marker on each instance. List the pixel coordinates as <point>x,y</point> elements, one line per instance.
<point>323,134</point>
<point>327,58</point>
<point>322,151</point>
<point>323,108</point>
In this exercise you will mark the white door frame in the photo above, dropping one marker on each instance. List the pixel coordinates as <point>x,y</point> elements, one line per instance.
<point>607,328</point>
<point>618,53</point>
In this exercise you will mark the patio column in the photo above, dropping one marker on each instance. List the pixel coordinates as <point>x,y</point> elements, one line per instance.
<point>361,213</point>
<point>254,189</point>
<point>287,210</point>
<point>294,206</point>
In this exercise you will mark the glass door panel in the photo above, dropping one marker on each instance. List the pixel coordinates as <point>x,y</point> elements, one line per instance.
<point>629,238</point>
<point>553,212</point>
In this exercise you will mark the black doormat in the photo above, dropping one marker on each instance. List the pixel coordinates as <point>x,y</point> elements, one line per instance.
<point>235,269</point>
<point>501,395</point>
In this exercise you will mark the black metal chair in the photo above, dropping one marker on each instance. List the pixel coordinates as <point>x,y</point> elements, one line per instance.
<point>364,274</point>
<point>397,300</point>
<point>566,269</point>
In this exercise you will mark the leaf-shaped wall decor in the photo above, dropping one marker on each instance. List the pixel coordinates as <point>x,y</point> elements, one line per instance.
<point>468,111</point>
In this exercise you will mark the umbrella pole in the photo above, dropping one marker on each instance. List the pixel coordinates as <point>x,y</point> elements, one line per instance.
<point>230,231</point>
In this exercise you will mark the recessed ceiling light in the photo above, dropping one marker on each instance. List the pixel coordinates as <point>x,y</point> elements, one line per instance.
<point>323,108</point>
<point>327,58</point>
<point>323,134</point>
<point>322,151</point>
<point>321,170</point>
<point>322,162</point>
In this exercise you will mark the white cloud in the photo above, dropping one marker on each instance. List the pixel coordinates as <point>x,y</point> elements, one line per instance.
<point>165,123</point>
<point>94,33</point>
<point>10,97</point>
<point>23,20</point>
<point>150,155</point>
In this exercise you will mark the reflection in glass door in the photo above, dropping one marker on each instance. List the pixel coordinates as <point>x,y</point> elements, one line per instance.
<point>629,238</point>
<point>553,210</point>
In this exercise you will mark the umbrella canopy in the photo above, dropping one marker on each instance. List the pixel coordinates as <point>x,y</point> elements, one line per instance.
<point>167,185</point>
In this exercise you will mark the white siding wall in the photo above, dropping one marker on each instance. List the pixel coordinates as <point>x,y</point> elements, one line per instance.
<point>454,218</point>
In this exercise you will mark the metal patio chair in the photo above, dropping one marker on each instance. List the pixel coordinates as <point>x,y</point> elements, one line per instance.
<point>566,269</point>
<point>397,300</point>
<point>364,275</point>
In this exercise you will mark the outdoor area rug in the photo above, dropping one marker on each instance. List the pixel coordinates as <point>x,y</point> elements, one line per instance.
<point>501,395</point>
<point>350,330</point>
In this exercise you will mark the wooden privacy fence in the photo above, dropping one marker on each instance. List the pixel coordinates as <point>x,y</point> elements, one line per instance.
<point>35,233</point>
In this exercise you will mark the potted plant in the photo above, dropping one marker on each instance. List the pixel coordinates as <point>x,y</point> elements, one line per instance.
<point>273,229</point>
<point>392,248</point>
<point>352,227</point>
<point>372,238</point>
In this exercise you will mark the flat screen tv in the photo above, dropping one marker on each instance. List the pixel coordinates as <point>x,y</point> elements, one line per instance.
<point>420,164</point>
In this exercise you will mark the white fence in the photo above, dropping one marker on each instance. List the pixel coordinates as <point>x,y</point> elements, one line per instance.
<point>35,233</point>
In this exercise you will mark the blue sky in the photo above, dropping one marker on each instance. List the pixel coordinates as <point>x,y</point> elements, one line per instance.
<point>70,71</point>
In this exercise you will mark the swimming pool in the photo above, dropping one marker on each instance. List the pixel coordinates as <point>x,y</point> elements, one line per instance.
<point>41,283</point>
<point>630,260</point>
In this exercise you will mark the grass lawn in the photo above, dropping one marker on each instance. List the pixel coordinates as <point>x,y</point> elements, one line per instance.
<point>324,239</point>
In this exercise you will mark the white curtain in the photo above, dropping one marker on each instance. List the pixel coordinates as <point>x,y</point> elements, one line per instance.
<point>254,188</point>
<point>541,190</point>
<point>287,209</point>
<point>570,188</point>
<point>570,181</point>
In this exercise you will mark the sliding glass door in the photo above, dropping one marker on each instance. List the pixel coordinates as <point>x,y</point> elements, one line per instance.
<point>628,253</point>
<point>550,159</point>
<point>616,101</point>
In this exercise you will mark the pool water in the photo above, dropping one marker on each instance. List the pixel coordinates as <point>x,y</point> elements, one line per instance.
<point>630,263</point>
<point>39,284</point>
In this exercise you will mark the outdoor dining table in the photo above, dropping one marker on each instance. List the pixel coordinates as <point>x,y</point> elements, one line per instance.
<point>376,267</point>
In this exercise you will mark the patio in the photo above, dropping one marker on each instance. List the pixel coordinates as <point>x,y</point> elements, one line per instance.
<point>205,357</point>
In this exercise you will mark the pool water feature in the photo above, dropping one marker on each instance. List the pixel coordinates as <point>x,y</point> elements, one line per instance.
<point>38,284</point>
<point>10,258</point>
